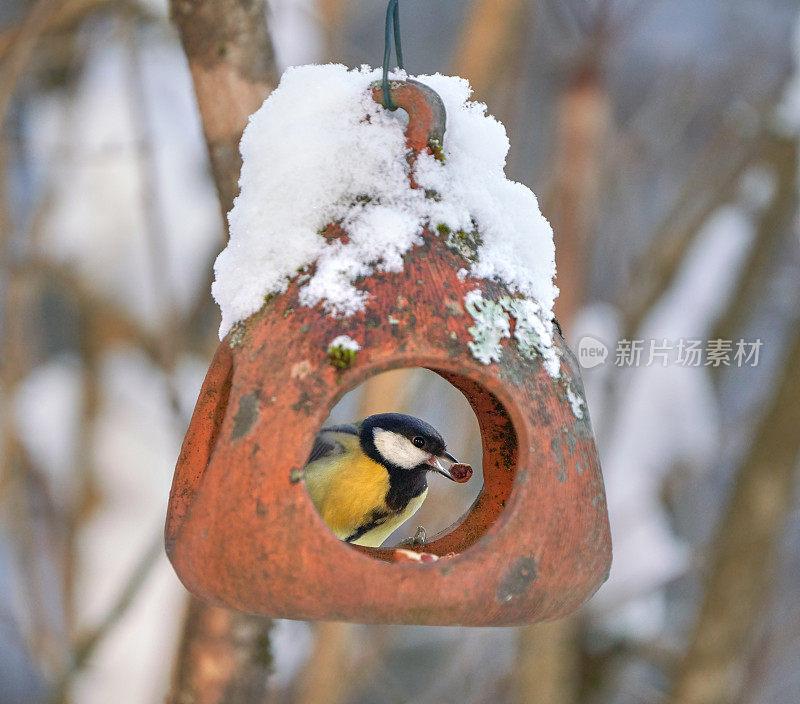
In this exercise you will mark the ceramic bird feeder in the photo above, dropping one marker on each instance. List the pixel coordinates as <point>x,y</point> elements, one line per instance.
<point>242,531</point>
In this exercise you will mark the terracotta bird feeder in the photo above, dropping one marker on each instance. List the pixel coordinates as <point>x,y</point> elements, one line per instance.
<point>241,529</point>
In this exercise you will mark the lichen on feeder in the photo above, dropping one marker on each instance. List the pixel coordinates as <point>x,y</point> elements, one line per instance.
<point>491,325</point>
<point>467,244</point>
<point>241,530</point>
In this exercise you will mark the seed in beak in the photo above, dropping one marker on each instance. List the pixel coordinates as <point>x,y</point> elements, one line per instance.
<point>460,472</point>
<point>436,466</point>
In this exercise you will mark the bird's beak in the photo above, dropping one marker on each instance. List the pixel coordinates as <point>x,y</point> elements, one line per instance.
<point>437,466</point>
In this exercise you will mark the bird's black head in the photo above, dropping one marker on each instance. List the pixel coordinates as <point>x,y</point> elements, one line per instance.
<point>404,442</point>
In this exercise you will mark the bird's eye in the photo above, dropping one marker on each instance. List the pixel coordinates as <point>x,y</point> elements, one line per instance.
<point>418,441</point>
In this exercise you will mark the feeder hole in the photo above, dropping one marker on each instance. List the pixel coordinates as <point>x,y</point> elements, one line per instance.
<point>426,395</point>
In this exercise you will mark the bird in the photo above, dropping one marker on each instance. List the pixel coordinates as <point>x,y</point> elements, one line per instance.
<point>367,478</point>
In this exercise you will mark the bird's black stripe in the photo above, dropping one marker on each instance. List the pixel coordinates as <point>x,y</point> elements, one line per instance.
<point>377,518</point>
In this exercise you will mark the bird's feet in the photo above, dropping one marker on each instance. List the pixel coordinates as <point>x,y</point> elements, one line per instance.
<point>415,541</point>
<point>417,552</point>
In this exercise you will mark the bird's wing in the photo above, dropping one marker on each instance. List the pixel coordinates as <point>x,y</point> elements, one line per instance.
<point>327,444</point>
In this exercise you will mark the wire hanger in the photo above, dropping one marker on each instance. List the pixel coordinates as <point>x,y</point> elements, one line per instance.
<point>392,23</point>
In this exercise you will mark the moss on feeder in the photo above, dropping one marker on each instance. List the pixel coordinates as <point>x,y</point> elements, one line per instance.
<point>341,357</point>
<point>342,352</point>
<point>437,150</point>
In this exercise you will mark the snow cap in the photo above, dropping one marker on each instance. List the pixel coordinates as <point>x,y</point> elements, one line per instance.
<point>321,150</point>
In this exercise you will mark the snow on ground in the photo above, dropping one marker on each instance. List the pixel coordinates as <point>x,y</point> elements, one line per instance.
<point>320,150</point>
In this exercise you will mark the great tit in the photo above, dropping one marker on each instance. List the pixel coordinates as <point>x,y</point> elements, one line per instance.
<point>367,478</point>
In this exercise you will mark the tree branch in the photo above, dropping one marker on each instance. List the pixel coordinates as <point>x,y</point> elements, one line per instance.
<point>773,225</point>
<point>487,39</point>
<point>657,267</point>
<point>583,123</point>
<point>60,18</point>
<point>20,49</point>
<point>233,67</point>
<point>224,655</point>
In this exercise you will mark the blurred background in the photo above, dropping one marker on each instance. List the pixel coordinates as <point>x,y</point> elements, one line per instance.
<point>662,140</point>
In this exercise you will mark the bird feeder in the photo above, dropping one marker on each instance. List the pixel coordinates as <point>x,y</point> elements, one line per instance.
<point>242,531</point>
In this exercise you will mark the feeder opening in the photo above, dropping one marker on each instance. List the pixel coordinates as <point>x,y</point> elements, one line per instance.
<point>446,401</point>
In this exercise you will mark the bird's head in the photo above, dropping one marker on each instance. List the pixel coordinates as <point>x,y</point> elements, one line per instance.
<point>405,442</point>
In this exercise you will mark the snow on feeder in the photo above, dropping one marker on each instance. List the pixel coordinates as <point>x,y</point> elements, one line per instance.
<point>359,246</point>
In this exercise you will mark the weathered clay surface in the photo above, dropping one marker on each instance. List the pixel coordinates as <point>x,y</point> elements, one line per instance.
<point>242,532</point>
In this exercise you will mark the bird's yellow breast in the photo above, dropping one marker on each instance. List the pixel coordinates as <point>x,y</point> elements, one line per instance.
<point>346,490</point>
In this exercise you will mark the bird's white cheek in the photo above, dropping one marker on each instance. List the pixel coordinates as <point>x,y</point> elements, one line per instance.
<point>398,449</point>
